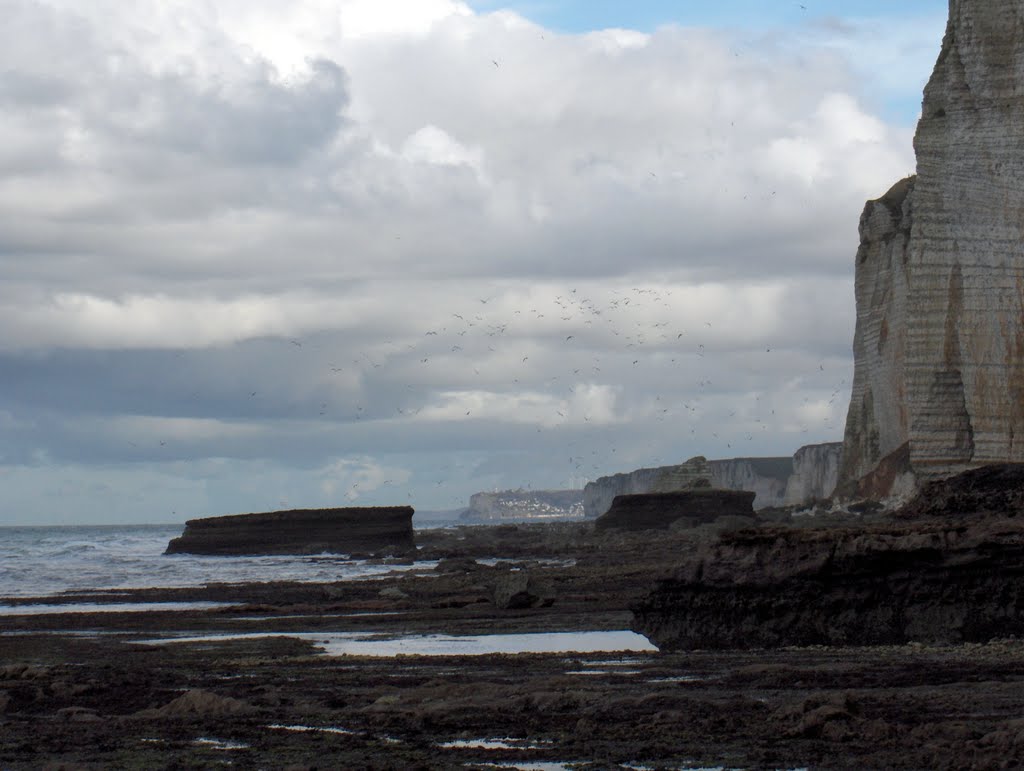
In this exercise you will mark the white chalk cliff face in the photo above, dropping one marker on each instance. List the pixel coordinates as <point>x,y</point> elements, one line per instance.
<point>939,345</point>
<point>815,471</point>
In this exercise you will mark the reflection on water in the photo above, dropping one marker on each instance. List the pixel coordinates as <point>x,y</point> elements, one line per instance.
<point>219,744</point>
<point>117,607</point>
<point>312,729</point>
<point>369,644</point>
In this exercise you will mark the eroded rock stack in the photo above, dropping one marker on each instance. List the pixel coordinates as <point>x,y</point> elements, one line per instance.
<point>939,345</point>
<point>377,530</point>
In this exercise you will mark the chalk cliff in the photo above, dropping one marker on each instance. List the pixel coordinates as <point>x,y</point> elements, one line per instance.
<point>599,494</point>
<point>815,471</point>
<point>808,476</point>
<point>766,477</point>
<point>939,344</point>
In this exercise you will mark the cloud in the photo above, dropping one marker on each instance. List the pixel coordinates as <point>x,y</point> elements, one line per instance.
<point>293,237</point>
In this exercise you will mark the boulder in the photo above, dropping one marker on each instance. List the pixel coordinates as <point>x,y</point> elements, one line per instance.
<point>198,703</point>
<point>517,590</point>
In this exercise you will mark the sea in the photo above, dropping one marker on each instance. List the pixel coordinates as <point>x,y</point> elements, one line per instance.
<point>50,561</point>
<point>63,567</point>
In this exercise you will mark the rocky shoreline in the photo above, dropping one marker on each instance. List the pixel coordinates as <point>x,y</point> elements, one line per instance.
<point>103,690</point>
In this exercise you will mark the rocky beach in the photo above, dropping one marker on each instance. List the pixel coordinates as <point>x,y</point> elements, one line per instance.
<point>262,677</point>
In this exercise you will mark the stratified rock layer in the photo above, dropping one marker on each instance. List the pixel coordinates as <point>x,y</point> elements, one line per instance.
<point>935,583</point>
<point>300,531</point>
<point>657,511</point>
<point>939,344</point>
<point>949,568</point>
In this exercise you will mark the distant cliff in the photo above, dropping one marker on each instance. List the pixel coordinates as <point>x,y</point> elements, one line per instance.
<point>939,344</point>
<point>815,472</point>
<point>510,505</point>
<point>599,494</point>
<point>808,476</point>
<point>300,531</point>
<point>766,477</point>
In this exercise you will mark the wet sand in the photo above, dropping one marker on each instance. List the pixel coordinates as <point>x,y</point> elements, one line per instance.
<point>107,689</point>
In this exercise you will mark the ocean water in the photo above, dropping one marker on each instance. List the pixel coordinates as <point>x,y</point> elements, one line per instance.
<point>48,561</point>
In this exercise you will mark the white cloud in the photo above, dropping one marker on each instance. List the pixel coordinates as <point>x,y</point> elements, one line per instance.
<point>605,233</point>
<point>354,478</point>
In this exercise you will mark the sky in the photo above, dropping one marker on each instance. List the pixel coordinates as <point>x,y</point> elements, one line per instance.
<point>260,255</point>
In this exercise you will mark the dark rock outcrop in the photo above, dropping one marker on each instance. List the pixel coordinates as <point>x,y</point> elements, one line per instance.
<point>378,530</point>
<point>657,511</point>
<point>996,489</point>
<point>949,569</point>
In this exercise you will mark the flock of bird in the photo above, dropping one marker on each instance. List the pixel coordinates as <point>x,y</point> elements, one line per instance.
<point>552,365</point>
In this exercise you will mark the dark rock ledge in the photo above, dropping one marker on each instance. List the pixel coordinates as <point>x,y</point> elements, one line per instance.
<point>948,569</point>
<point>376,530</point>
<point>658,511</point>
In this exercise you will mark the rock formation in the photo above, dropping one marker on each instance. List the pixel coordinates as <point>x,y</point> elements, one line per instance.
<point>658,511</point>
<point>300,531</point>
<point>936,579</point>
<point>939,344</point>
